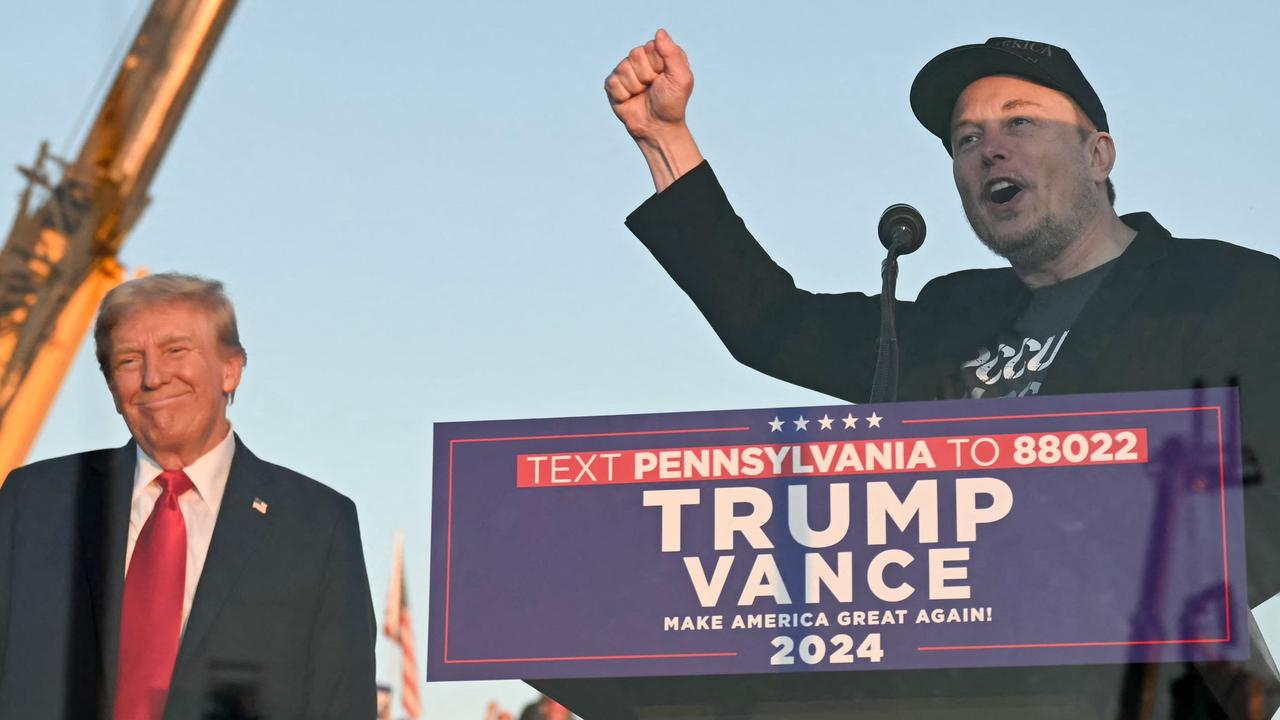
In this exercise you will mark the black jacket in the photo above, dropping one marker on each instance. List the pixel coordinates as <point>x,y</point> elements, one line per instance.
<point>1171,313</point>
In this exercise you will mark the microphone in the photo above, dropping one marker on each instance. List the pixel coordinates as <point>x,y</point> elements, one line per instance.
<point>901,229</point>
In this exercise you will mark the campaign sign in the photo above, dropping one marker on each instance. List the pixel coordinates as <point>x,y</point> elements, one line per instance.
<point>1033,531</point>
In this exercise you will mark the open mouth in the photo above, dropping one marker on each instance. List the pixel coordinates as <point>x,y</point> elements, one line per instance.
<point>1002,191</point>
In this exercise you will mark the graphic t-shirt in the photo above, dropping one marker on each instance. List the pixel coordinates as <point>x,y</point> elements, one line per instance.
<point>1014,365</point>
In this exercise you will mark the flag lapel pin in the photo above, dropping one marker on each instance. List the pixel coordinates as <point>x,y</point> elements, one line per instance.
<point>260,506</point>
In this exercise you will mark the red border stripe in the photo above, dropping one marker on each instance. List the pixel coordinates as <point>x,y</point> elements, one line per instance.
<point>594,657</point>
<point>932,648</point>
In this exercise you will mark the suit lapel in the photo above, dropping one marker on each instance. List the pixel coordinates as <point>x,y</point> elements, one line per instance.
<point>104,535</point>
<point>236,536</point>
<point>1075,369</point>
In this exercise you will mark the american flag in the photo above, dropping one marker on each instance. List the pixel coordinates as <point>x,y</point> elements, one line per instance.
<point>399,628</point>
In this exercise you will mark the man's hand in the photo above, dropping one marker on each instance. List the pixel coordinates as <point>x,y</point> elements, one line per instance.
<point>650,88</point>
<point>649,91</point>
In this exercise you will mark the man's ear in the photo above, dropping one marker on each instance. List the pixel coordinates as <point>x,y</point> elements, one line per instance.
<point>1102,156</point>
<point>232,368</point>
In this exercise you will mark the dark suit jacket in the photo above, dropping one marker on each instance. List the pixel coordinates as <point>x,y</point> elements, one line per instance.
<point>281,624</point>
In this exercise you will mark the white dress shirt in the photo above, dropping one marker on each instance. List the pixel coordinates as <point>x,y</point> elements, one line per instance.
<point>199,507</point>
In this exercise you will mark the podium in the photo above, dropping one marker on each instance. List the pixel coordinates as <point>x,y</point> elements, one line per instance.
<point>1068,556</point>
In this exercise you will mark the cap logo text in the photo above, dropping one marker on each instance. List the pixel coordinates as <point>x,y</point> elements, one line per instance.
<point>1028,46</point>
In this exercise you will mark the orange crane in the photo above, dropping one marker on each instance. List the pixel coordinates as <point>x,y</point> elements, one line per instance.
<point>73,216</point>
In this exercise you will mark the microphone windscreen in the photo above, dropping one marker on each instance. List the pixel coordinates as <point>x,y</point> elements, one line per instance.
<point>902,226</point>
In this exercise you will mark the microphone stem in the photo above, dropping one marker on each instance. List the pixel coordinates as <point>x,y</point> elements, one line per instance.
<point>884,384</point>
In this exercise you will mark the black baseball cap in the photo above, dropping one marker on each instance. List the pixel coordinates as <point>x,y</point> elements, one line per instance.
<point>939,84</point>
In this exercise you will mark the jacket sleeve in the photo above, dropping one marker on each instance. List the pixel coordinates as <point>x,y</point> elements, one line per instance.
<point>8,526</point>
<point>341,681</point>
<point>826,342</point>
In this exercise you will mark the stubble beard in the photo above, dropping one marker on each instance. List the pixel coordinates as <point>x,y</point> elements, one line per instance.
<point>1034,247</point>
<point>1045,241</point>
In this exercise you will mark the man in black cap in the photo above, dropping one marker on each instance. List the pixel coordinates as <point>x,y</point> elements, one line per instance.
<point>1090,302</point>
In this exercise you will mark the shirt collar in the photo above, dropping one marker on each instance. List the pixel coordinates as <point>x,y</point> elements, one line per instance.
<point>208,473</point>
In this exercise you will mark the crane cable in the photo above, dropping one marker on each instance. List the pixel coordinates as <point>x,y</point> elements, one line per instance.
<point>114,61</point>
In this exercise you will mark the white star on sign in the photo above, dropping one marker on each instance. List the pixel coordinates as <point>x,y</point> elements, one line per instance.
<point>825,422</point>
<point>850,422</point>
<point>874,420</point>
<point>775,425</point>
<point>801,424</point>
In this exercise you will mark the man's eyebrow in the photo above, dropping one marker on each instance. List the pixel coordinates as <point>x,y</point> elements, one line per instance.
<point>1008,105</point>
<point>169,339</point>
<point>1017,103</point>
<point>172,338</point>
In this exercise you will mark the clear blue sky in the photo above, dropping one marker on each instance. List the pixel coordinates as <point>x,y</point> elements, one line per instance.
<point>418,207</point>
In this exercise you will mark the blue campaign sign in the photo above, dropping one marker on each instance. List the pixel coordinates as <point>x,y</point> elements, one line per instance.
<point>1033,531</point>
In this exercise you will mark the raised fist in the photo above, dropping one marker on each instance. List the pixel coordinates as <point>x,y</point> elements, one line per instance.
<point>650,88</point>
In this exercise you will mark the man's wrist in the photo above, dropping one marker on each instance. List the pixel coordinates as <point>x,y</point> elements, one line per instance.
<point>670,154</point>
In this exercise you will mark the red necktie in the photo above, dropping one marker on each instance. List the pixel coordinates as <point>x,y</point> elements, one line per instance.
<point>151,620</point>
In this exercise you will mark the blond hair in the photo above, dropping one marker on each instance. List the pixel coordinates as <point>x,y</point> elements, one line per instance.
<point>165,289</point>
